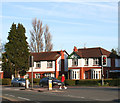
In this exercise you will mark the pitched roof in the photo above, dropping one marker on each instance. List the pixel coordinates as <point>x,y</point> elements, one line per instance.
<point>94,52</point>
<point>52,55</point>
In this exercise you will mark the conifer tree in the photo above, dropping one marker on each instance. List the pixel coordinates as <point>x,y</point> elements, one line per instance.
<point>17,51</point>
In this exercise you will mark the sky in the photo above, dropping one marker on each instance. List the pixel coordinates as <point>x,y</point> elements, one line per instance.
<point>89,24</point>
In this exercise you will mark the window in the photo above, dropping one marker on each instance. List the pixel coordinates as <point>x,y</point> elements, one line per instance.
<point>38,64</point>
<point>37,75</point>
<point>96,74</point>
<point>47,74</point>
<point>49,64</point>
<point>86,61</point>
<point>95,61</point>
<point>74,62</point>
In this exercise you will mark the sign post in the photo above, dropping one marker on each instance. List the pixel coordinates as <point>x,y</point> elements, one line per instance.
<point>50,84</point>
<point>103,63</point>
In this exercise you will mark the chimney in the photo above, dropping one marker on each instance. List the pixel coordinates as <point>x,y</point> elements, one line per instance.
<point>75,49</point>
<point>62,54</point>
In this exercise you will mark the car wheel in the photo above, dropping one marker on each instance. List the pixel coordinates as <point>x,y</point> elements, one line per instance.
<point>12,85</point>
<point>19,85</point>
<point>41,85</point>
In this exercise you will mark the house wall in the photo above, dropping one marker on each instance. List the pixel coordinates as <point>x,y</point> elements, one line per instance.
<point>112,64</point>
<point>81,63</point>
<point>43,67</point>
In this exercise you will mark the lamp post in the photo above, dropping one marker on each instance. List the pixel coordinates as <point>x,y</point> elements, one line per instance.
<point>32,71</point>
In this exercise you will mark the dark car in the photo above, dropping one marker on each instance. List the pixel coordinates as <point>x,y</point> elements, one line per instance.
<point>44,81</point>
<point>18,82</point>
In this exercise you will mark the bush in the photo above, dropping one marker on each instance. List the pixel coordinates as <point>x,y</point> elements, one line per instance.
<point>6,81</point>
<point>35,80</point>
<point>113,82</point>
<point>87,82</point>
<point>69,82</point>
<point>59,78</point>
<point>93,82</point>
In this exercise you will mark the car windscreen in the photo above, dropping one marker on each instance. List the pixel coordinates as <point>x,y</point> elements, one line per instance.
<point>22,79</point>
<point>54,79</point>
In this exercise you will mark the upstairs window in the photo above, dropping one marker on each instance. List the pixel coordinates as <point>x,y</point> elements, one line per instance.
<point>74,62</point>
<point>38,64</point>
<point>86,61</point>
<point>95,61</point>
<point>49,64</point>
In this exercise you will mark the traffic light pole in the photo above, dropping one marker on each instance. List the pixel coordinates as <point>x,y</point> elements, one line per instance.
<point>102,77</point>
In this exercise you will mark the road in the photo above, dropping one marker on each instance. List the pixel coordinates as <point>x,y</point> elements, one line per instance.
<point>71,94</point>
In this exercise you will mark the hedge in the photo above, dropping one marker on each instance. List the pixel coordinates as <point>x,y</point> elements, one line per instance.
<point>113,82</point>
<point>35,81</point>
<point>87,82</point>
<point>90,82</point>
<point>6,81</point>
<point>69,82</point>
<point>96,82</point>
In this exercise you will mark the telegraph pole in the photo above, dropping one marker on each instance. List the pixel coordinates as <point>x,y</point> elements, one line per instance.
<point>102,77</point>
<point>32,72</point>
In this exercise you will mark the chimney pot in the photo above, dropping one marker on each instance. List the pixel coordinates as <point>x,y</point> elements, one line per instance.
<point>75,49</point>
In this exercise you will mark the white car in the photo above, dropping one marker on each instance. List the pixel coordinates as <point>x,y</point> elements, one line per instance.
<point>19,82</point>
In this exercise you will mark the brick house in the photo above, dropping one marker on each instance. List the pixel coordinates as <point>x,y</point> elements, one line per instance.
<point>52,63</point>
<point>85,63</point>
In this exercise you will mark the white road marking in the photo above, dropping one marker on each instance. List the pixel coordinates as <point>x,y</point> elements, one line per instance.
<point>6,94</point>
<point>16,89</point>
<point>12,95</point>
<point>82,97</point>
<point>98,99</point>
<point>23,98</point>
<point>7,88</point>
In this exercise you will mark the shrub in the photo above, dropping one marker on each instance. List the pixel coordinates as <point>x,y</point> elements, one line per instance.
<point>87,82</point>
<point>6,81</point>
<point>113,82</point>
<point>69,82</point>
<point>35,80</point>
<point>59,78</point>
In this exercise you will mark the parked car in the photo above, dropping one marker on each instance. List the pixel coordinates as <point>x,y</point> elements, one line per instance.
<point>44,81</point>
<point>19,82</point>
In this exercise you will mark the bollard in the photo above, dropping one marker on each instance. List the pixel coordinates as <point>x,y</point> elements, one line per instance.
<point>49,84</point>
<point>26,84</point>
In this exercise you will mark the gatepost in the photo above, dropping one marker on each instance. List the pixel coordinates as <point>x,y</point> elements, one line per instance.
<point>49,84</point>
<point>26,84</point>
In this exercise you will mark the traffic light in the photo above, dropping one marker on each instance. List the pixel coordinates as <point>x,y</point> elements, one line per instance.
<point>104,60</point>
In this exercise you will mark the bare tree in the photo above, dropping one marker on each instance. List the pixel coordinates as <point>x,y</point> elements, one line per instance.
<point>48,38</point>
<point>36,41</point>
<point>1,48</point>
